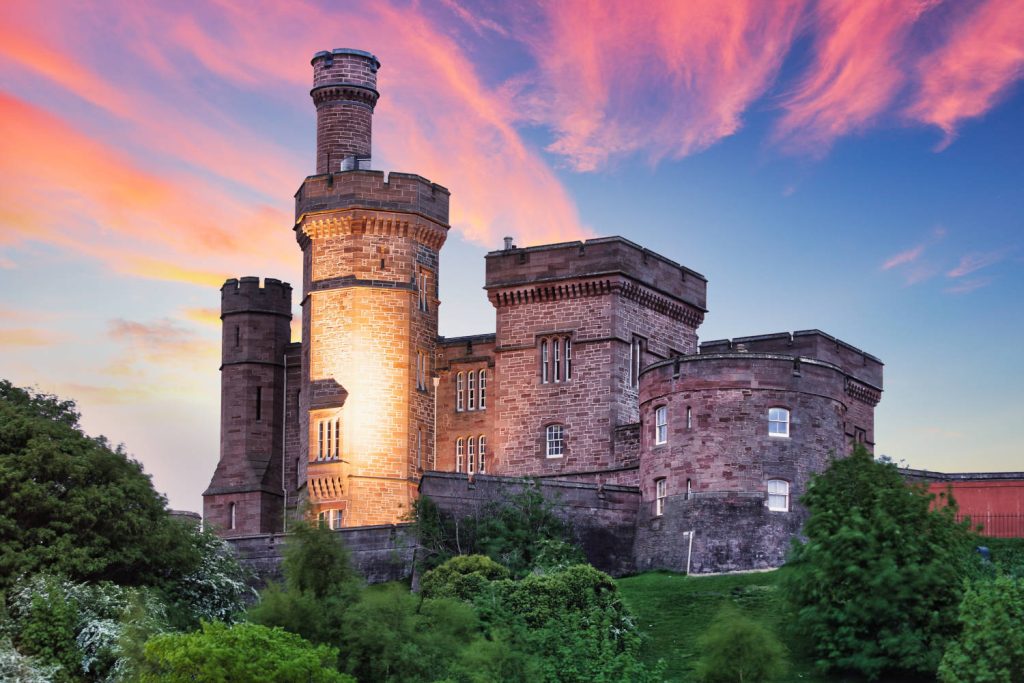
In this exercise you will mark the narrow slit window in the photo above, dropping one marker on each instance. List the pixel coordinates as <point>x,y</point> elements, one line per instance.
<point>471,456</point>
<point>558,359</point>
<point>471,394</point>
<point>259,403</point>
<point>544,369</point>
<point>460,446</point>
<point>481,455</point>
<point>419,448</point>
<point>231,516</point>
<point>238,336</point>
<point>568,359</point>
<point>689,417</point>
<point>459,392</point>
<point>483,389</point>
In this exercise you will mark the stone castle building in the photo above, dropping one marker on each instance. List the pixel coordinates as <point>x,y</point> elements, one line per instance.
<point>592,379</point>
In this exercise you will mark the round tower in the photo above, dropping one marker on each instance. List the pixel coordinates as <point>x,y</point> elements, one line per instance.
<point>245,494</point>
<point>370,247</point>
<point>345,93</point>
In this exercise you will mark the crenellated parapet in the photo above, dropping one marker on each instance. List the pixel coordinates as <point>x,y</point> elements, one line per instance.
<point>247,295</point>
<point>405,193</point>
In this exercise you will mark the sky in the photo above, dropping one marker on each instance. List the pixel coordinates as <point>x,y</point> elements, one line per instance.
<point>855,166</point>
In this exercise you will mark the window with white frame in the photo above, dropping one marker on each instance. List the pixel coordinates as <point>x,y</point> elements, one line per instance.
<point>471,393</point>
<point>554,438</point>
<point>545,368</point>
<point>471,456</point>
<point>481,454</point>
<point>555,359</point>
<point>482,381</point>
<point>460,453</point>
<point>459,391</point>
<point>328,438</point>
<point>330,519</point>
<point>661,424</point>
<point>636,349</point>
<point>660,493</point>
<point>778,495</point>
<point>422,287</point>
<point>778,422</point>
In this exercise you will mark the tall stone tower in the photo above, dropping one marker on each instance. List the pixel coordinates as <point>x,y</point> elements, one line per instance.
<point>245,495</point>
<point>370,248</point>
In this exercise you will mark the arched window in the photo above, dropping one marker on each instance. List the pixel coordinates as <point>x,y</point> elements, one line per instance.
<point>483,389</point>
<point>460,446</point>
<point>471,457</point>
<point>554,437</point>
<point>689,488</point>
<point>481,454</point>
<point>471,402</point>
<point>545,370</point>
<point>556,348</point>
<point>459,389</point>
<point>660,493</point>
<point>778,422</point>
<point>778,495</point>
<point>661,425</point>
<point>231,515</point>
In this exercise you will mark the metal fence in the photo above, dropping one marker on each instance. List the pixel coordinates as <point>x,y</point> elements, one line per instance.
<point>996,525</point>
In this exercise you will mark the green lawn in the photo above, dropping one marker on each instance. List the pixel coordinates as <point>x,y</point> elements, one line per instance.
<point>674,610</point>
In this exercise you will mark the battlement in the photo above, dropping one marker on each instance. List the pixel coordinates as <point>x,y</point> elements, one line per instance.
<point>246,295</point>
<point>514,266</point>
<point>402,192</point>
<point>806,344</point>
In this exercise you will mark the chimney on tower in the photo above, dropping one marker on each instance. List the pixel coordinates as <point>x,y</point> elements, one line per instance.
<point>345,93</point>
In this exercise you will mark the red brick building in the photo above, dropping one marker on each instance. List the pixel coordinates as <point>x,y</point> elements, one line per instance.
<point>592,376</point>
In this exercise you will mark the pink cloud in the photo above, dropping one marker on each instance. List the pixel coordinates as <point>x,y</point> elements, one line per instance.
<point>968,75</point>
<point>662,78</point>
<point>904,257</point>
<point>976,261</point>
<point>969,285</point>
<point>855,73</point>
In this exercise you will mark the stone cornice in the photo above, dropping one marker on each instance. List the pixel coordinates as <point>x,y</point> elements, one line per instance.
<point>863,392</point>
<point>596,286</point>
<point>355,222</point>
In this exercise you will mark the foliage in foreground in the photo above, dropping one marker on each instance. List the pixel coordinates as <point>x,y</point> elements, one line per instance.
<point>519,531</point>
<point>737,649</point>
<point>990,648</point>
<point>878,581</point>
<point>244,652</point>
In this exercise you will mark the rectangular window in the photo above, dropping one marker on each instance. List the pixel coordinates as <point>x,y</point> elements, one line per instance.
<point>421,285</point>
<point>544,368</point>
<point>555,441</point>
<point>482,467</point>
<point>568,359</point>
<point>556,348</point>
<point>689,417</point>
<point>460,445</point>
<point>471,456</point>
<point>660,493</point>
<point>459,392</point>
<point>778,495</point>
<point>483,389</point>
<point>661,424</point>
<point>320,445</point>
<point>859,435</point>
<point>778,422</point>
<point>336,519</point>
<point>259,403</point>
<point>471,402</point>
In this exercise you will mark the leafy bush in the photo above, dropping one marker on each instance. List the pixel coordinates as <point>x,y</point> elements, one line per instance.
<point>243,652</point>
<point>876,584</point>
<point>990,648</point>
<point>737,649</point>
<point>18,668</point>
<point>463,577</point>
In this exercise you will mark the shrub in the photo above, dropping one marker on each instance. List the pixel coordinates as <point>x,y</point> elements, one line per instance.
<point>17,668</point>
<point>463,577</point>
<point>990,648</point>
<point>736,649</point>
<point>876,585</point>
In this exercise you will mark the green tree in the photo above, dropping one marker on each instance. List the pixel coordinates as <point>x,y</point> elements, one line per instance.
<point>990,648</point>
<point>72,505</point>
<point>737,649</point>
<point>244,652</point>
<point>877,582</point>
<point>463,577</point>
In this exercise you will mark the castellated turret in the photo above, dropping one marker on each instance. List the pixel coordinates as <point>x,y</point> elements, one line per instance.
<point>370,244</point>
<point>245,496</point>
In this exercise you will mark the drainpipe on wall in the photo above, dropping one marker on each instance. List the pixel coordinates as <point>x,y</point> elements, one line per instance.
<point>433,454</point>
<point>284,450</point>
<point>689,553</point>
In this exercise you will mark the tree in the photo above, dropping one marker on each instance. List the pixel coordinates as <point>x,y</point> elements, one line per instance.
<point>244,652</point>
<point>72,505</point>
<point>463,577</point>
<point>991,646</point>
<point>877,582</point>
<point>737,649</point>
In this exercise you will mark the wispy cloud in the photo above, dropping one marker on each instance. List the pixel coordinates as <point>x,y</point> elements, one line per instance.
<point>904,257</point>
<point>29,336</point>
<point>909,260</point>
<point>969,285</point>
<point>203,316</point>
<point>975,261</point>
<point>969,73</point>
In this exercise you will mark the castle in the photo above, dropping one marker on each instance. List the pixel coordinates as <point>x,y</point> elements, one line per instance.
<point>592,379</point>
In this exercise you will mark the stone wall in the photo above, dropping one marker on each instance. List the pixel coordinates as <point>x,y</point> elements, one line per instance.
<point>461,356</point>
<point>603,518</point>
